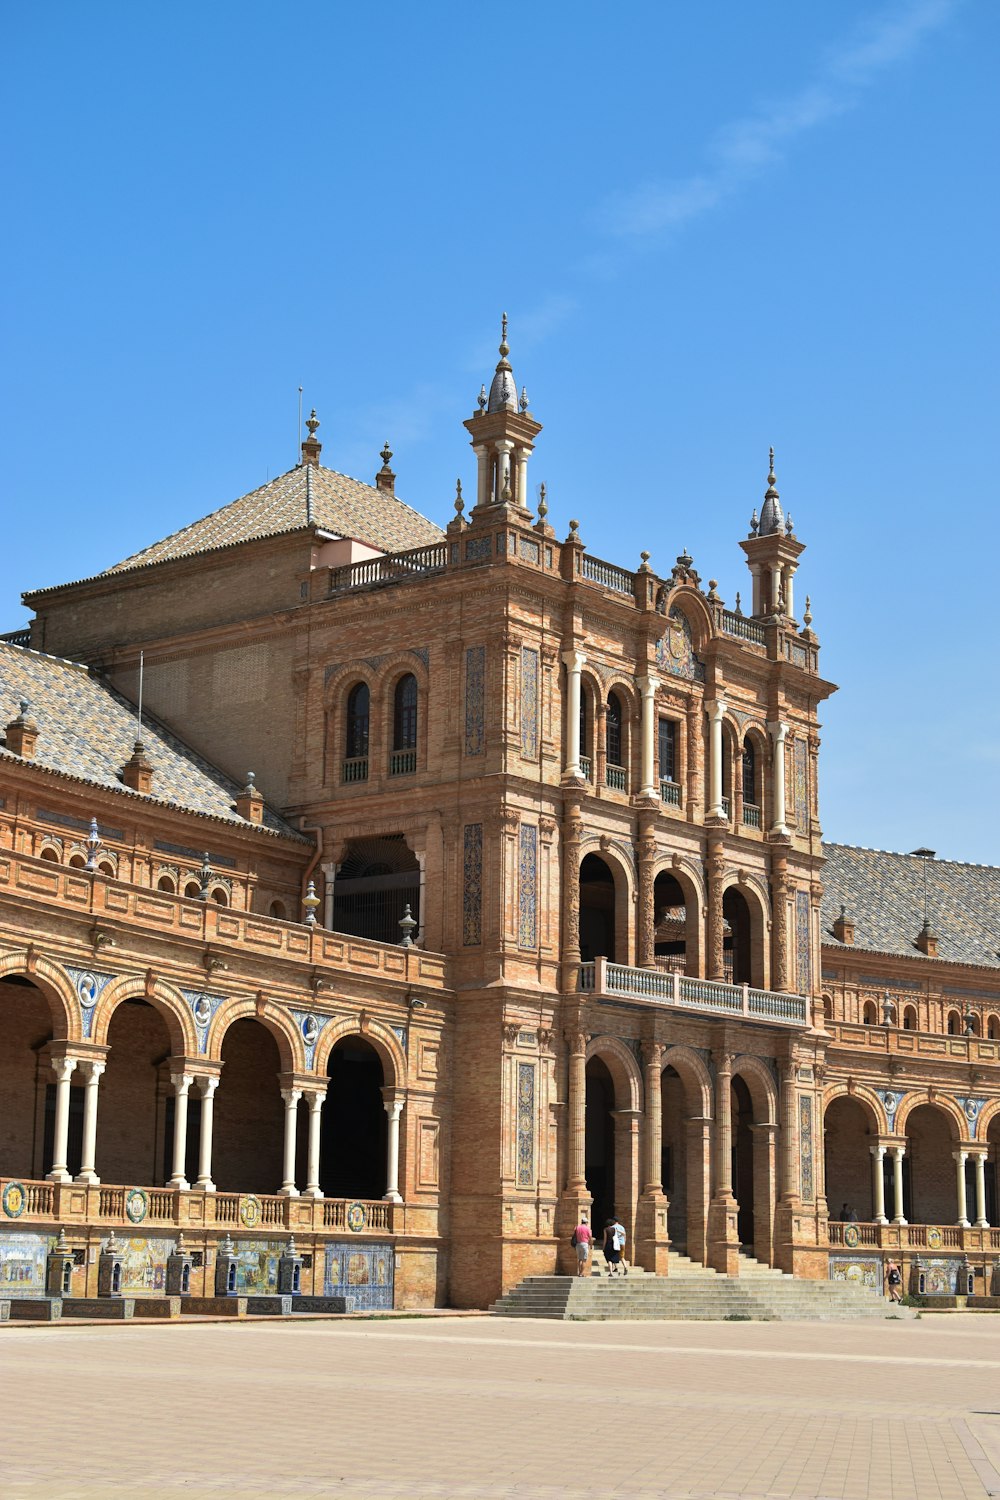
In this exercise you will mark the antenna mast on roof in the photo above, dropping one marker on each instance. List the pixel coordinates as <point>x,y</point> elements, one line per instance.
<point>142,655</point>
<point>298,435</point>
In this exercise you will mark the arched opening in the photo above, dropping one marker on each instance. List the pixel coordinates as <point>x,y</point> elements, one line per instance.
<point>933,1190</point>
<point>220,896</point>
<point>973,1024</point>
<point>597,910</point>
<point>166,884</point>
<point>615,772</point>
<point>849,1130</point>
<point>358,719</point>
<point>827,1008</point>
<point>737,938</point>
<point>131,1117</point>
<point>909,1018</point>
<point>675,926</point>
<point>993,1171</point>
<point>869,1013</point>
<point>27,1084</point>
<point>954,1023</point>
<point>248,1139</point>
<point>277,910</point>
<point>743,1158</point>
<point>192,890</point>
<point>993,1028</point>
<point>106,868</point>
<point>355,1130</point>
<point>586,732</point>
<point>77,862</point>
<point>404,726</point>
<point>50,854</point>
<point>378,878</point>
<point>600,1142</point>
<point>749,773</point>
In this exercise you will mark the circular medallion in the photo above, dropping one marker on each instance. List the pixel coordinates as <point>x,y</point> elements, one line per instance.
<point>86,988</point>
<point>250,1210</point>
<point>935,1239</point>
<point>310,1030</point>
<point>202,1010</point>
<point>136,1205</point>
<point>852,1237</point>
<point>357,1217</point>
<point>14,1200</point>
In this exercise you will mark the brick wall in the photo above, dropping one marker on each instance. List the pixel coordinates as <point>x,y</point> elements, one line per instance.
<point>248,1139</point>
<point>27,1025</point>
<point>130,1116</point>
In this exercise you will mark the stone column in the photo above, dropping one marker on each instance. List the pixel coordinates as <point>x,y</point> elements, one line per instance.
<point>521,493</point>
<point>63,1068</point>
<point>961,1157</point>
<point>788,577</point>
<point>779,920</point>
<point>182,1084</point>
<point>574,662</point>
<point>204,1182</point>
<point>577,1134</point>
<point>790,1133</point>
<point>482,475</point>
<point>778,733</point>
<point>716,871</point>
<point>291,1098</point>
<point>92,1070</point>
<point>715,710</point>
<point>981,1220</point>
<point>601,744</point>
<point>648,685</point>
<point>652,1057</point>
<point>755,575</point>
<point>315,1100</point>
<point>878,1183</point>
<point>570,944</point>
<point>646,957</point>
<point>723,1232</point>
<point>393,1108</point>
<point>897,1184</point>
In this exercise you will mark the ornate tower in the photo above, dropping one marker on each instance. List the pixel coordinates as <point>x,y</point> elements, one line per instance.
<point>772,555</point>
<point>503,434</point>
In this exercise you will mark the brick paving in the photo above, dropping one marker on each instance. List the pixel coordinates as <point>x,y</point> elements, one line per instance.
<point>479,1408</point>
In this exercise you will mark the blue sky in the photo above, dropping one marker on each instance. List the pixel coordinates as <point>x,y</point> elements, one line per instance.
<point>713,227</point>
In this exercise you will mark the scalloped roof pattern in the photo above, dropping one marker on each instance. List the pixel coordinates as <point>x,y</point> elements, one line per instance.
<point>87,730</point>
<point>308,495</point>
<point>883,894</point>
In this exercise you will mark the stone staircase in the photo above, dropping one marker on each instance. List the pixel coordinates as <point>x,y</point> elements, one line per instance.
<point>693,1291</point>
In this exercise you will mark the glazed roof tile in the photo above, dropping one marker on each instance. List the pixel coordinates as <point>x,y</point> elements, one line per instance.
<point>308,495</point>
<point>86,730</point>
<point>883,894</point>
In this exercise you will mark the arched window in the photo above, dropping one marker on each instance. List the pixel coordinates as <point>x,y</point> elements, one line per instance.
<point>76,862</point>
<point>277,910</point>
<point>909,1018</point>
<point>870,1014</point>
<point>584,732</point>
<point>749,774</point>
<point>993,1028</point>
<point>613,739</point>
<point>404,726</point>
<point>954,1023</point>
<point>106,869</point>
<point>219,896</point>
<point>50,854</point>
<point>827,1008</point>
<point>356,747</point>
<point>166,884</point>
<point>192,890</point>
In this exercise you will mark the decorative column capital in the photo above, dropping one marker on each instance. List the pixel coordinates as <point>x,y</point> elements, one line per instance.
<point>64,1067</point>
<point>393,1107</point>
<point>715,708</point>
<point>652,1054</point>
<point>92,1068</point>
<point>291,1097</point>
<point>209,1083</point>
<point>577,1040</point>
<point>648,685</point>
<point>181,1082</point>
<point>960,1156</point>
<point>778,730</point>
<point>574,658</point>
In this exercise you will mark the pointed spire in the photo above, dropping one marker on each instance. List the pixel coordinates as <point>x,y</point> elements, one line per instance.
<point>503,391</point>
<point>771,518</point>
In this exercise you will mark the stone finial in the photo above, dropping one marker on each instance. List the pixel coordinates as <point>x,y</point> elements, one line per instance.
<point>754,523</point>
<point>205,876</point>
<point>137,772</point>
<point>311,901</point>
<point>523,402</point>
<point>807,618</point>
<point>22,732</point>
<point>644,562</point>
<point>771,518</point>
<point>739,607</point>
<point>250,803</point>
<point>504,346</point>
<point>481,399</point>
<point>713,584</point>
<point>385,479</point>
<point>574,534</point>
<point>407,922</point>
<point>312,447</point>
<point>459,502</point>
<point>543,507</point>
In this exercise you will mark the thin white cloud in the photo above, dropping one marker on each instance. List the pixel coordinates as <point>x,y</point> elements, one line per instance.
<point>743,149</point>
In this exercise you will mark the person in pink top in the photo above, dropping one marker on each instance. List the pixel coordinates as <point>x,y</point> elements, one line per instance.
<point>581,1241</point>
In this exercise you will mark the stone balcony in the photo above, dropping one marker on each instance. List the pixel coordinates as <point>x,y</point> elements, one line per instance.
<point>607,981</point>
<point>934,1238</point>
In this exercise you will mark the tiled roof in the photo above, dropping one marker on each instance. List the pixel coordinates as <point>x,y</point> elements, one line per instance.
<point>87,731</point>
<point>308,495</point>
<point>884,897</point>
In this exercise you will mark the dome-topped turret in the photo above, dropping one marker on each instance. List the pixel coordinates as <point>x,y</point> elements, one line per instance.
<point>771,517</point>
<point>503,391</point>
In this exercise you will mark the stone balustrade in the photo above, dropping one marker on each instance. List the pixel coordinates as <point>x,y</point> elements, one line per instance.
<point>932,1237</point>
<point>658,987</point>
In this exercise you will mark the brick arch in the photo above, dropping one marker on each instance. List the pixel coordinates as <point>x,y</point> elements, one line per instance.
<point>693,1073</point>
<point>271,1016</point>
<point>866,1097</point>
<point>621,1063</point>
<point>692,885</point>
<point>763,1090</point>
<point>385,1042</point>
<point>750,883</point>
<point>619,865</point>
<point>54,984</point>
<point>400,664</point>
<point>335,688</point>
<point>942,1102</point>
<point>162,996</point>
<point>693,606</point>
<point>683,869</point>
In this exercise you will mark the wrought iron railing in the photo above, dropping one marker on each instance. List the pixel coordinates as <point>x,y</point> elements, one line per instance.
<point>402,762</point>
<point>616,777</point>
<point>392,567</point>
<point>751,815</point>
<point>608,575</point>
<point>356,769</point>
<point>744,628</point>
<point>670,793</point>
<point>586,768</point>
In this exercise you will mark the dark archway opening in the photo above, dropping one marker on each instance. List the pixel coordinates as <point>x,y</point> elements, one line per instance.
<point>132,1098</point>
<point>597,910</point>
<point>249,1127</point>
<point>354,1136</point>
<point>670,916</point>
<point>736,942</point>
<point>600,1143</point>
<point>378,878</point>
<point>27,1028</point>
<point>932,1176</point>
<point>848,1134</point>
<point>674,1154</point>
<point>742,1148</point>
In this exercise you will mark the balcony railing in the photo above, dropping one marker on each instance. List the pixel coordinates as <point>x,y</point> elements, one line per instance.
<point>402,763</point>
<point>751,815</point>
<point>616,981</point>
<point>356,769</point>
<point>670,793</point>
<point>616,777</point>
<point>618,580</point>
<point>17,637</point>
<point>390,568</point>
<point>725,807</point>
<point>912,1236</point>
<point>586,768</point>
<point>739,625</point>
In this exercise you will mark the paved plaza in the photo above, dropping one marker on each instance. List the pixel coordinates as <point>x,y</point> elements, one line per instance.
<point>475,1407</point>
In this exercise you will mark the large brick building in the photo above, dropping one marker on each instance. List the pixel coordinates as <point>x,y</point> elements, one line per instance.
<point>524,909</point>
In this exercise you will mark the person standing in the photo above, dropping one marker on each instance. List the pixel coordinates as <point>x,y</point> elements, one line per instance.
<point>894,1278</point>
<point>614,1243</point>
<point>581,1241</point>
